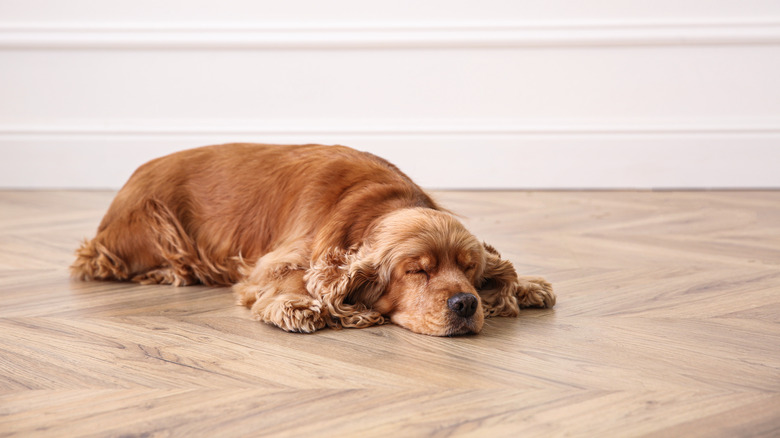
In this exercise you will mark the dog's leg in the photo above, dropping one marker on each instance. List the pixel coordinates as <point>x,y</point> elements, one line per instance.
<point>96,262</point>
<point>124,247</point>
<point>146,245</point>
<point>276,294</point>
<point>167,275</point>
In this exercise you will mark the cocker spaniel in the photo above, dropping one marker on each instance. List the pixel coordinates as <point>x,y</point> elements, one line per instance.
<point>309,236</point>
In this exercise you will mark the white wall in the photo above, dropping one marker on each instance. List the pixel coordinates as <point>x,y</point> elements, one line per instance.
<point>488,94</point>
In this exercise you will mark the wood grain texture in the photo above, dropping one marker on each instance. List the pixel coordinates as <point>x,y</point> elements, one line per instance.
<point>667,324</point>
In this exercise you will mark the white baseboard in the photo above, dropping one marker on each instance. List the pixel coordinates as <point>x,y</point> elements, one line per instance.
<point>458,158</point>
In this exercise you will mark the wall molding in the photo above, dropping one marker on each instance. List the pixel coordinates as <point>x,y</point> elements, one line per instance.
<point>401,36</point>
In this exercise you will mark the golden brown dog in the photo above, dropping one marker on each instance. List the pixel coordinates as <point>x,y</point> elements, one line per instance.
<point>310,236</point>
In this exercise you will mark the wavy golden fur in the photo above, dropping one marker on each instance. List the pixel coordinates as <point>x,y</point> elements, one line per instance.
<point>309,236</point>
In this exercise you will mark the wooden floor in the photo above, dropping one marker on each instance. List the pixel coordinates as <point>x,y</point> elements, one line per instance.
<point>667,324</point>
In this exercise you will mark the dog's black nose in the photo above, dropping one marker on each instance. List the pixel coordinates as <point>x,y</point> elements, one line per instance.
<point>463,304</point>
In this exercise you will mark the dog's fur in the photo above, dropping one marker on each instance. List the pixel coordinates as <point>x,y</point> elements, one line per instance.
<point>310,236</point>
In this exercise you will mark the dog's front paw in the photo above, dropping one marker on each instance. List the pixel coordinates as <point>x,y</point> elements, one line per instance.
<point>293,315</point>
<point>535,292</point>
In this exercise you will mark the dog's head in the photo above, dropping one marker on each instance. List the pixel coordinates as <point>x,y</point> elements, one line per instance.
<point>430,266</point>
<point>419,267</point>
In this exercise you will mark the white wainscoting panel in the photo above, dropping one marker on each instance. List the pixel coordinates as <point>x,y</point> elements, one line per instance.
<point>621,94</point>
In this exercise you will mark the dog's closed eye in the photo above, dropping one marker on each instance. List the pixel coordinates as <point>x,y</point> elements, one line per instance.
<point>419,272</point>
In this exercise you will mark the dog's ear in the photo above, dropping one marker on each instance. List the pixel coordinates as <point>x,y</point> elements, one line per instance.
<point>497,285</point>
<point>344,280</point>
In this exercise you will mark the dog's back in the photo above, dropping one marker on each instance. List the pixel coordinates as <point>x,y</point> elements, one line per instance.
<point>206,206</point>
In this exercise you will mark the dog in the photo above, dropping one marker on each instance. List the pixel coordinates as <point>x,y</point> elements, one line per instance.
<point>309,236</point>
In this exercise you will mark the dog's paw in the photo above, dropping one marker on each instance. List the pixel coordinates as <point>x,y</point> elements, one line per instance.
<point>164,276</point>
<point>535,292</point>
<point>302,317</point>
<point>293,315</point>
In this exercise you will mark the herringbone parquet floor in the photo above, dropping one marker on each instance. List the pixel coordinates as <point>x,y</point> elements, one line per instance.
<point>667,324</point>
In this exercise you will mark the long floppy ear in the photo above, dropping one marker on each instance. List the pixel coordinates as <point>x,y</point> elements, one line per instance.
<point>498,285</point>
<point>344,280</point>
